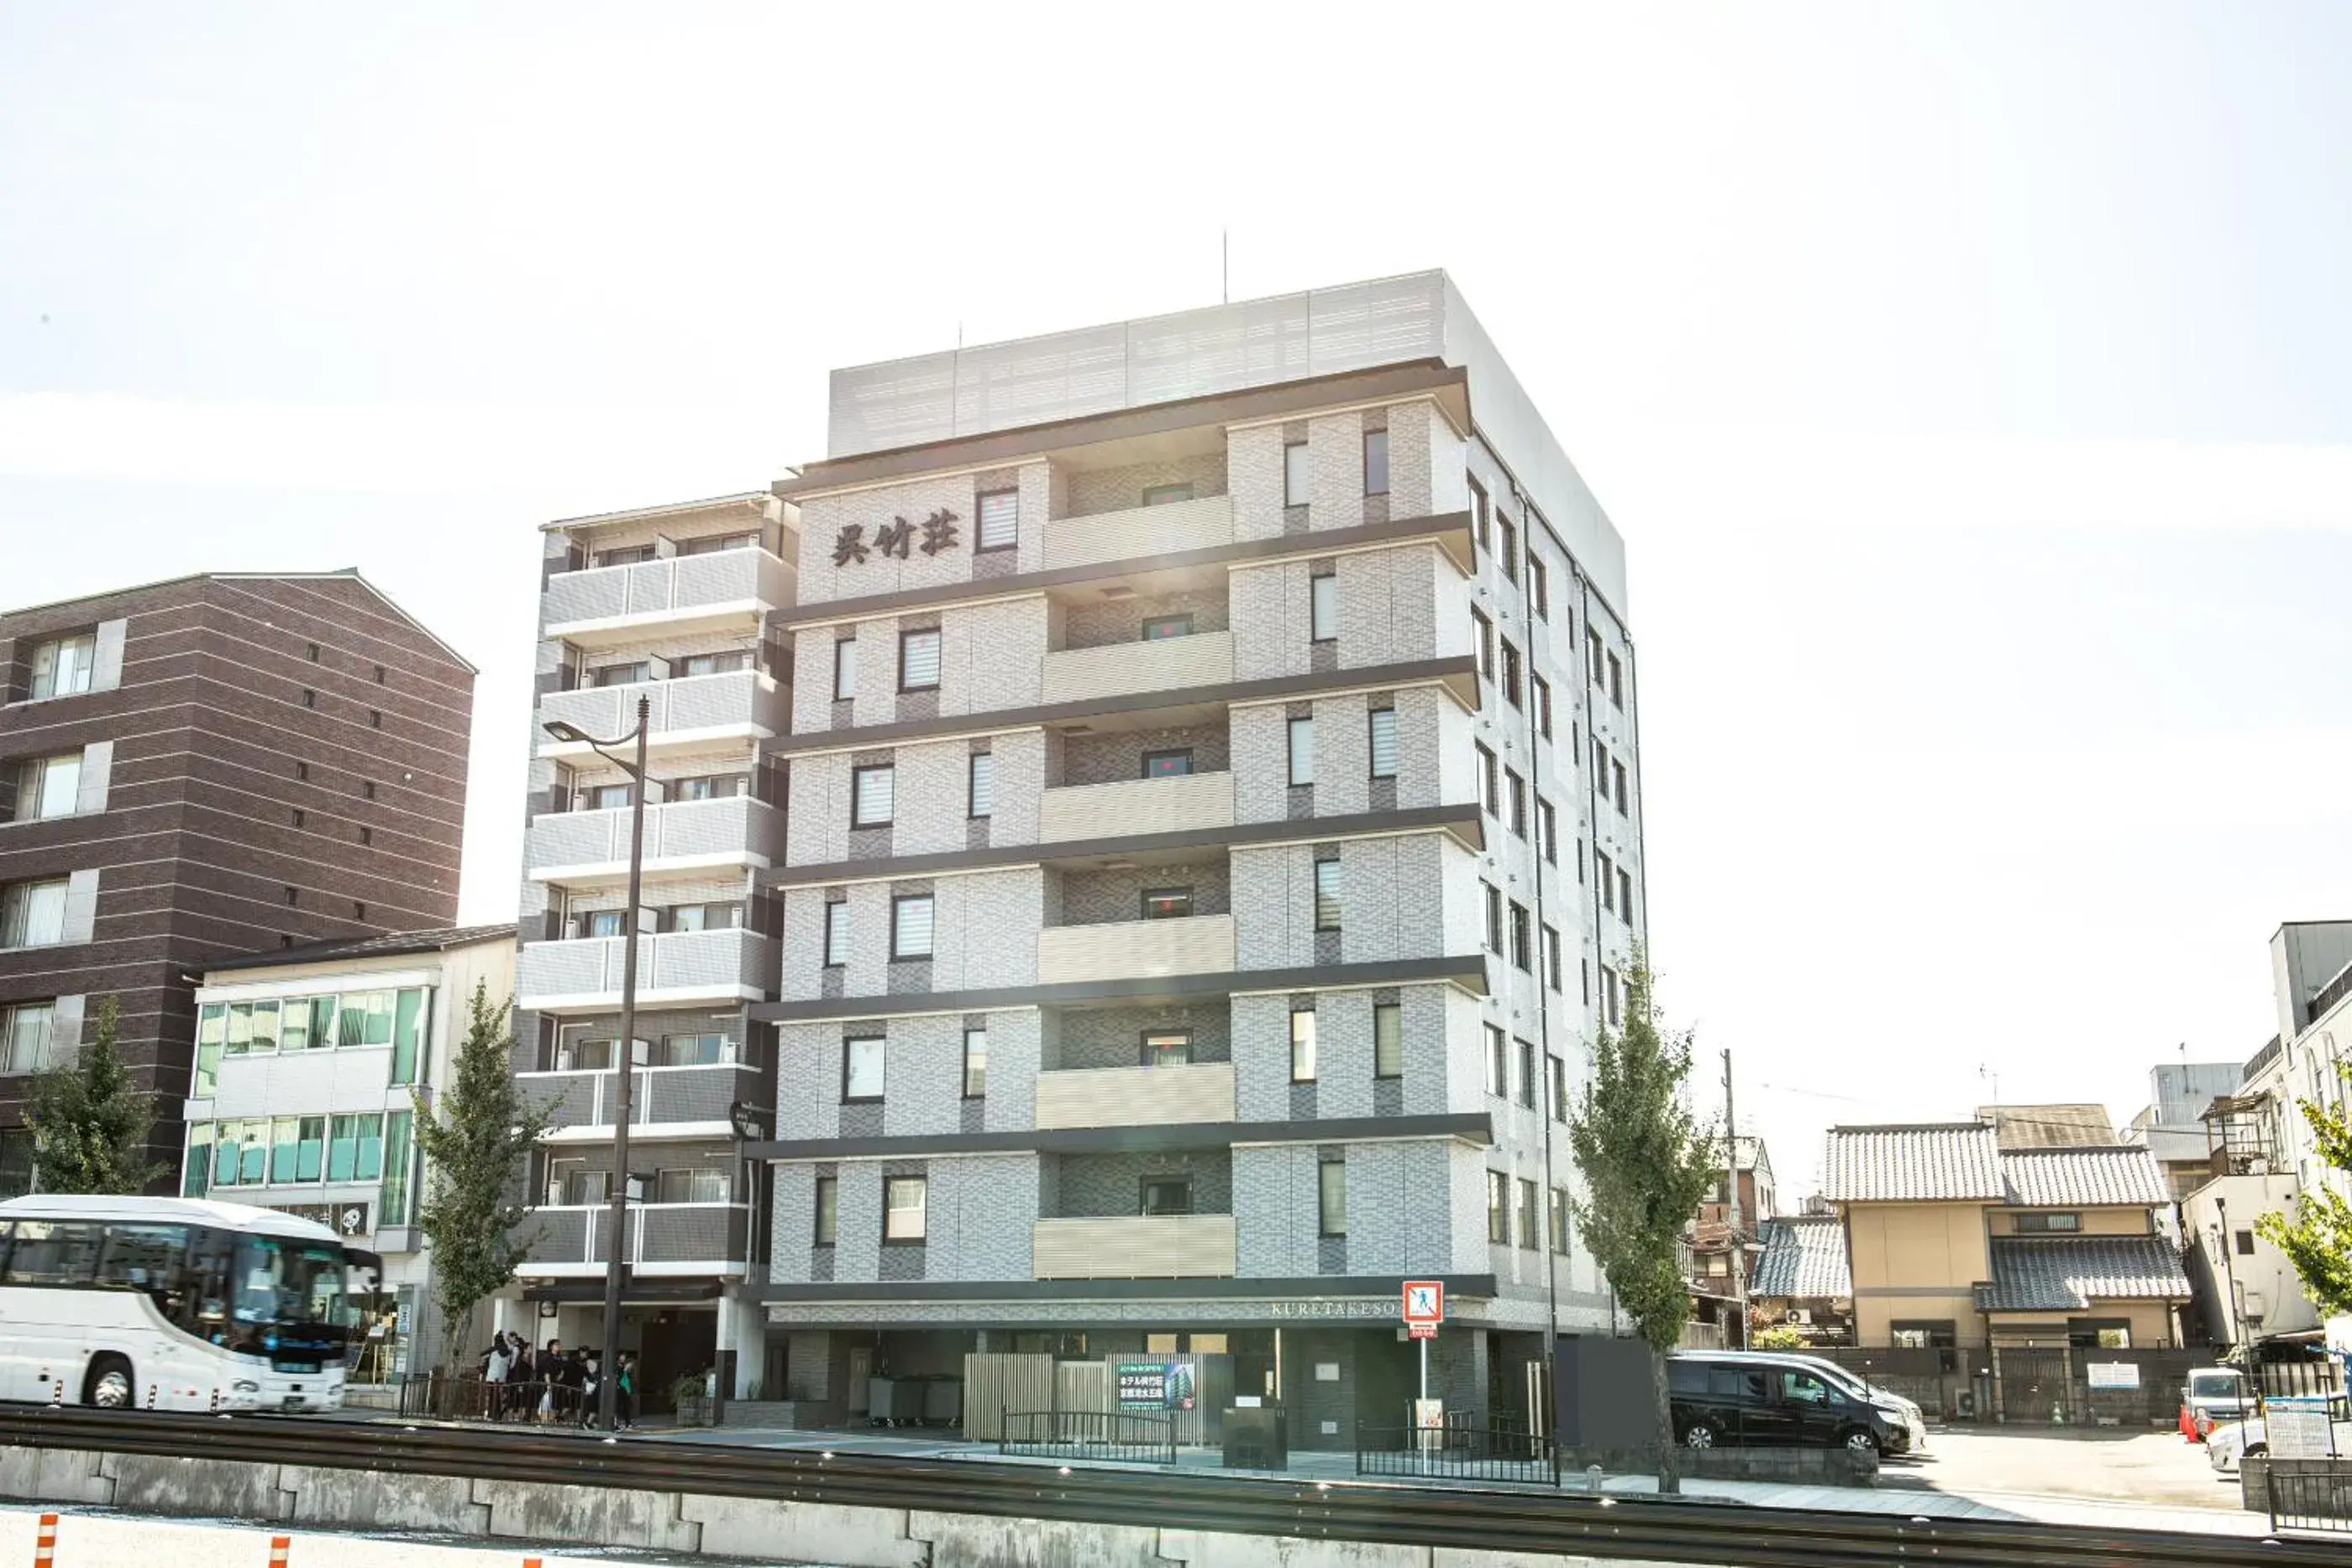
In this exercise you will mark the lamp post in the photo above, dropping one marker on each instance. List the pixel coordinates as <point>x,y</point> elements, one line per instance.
<point>625,1057</point>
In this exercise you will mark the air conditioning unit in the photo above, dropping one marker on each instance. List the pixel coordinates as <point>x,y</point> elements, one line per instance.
<point>1800,1316</point>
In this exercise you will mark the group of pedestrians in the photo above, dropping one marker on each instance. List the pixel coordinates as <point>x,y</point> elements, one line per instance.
<point>550,1384</point>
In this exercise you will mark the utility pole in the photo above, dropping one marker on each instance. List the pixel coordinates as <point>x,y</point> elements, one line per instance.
<point>1731,1191</point>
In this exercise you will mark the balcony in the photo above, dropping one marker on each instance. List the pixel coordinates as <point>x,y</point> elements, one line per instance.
<point>672,1238</point>
<point>678,968</point>
<point>1136,806</point>
<point>589,848</point>
<point>1135,949</point>
<point>1131,669</point>
<point>614,604</point>
<point>1135,1096</point>
<point>1151,1247</point>
<point>1136,533</point>
<point>742,705</point>
<point>663,1102</point>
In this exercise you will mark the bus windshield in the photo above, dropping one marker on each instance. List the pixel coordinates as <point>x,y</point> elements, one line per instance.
<point>279,1280</point>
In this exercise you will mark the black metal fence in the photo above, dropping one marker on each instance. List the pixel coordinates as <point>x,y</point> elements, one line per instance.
<point>1125,1436</point>
<point>2310,1494</point>
<point>437,1397</point>
<point>1458,1453</point>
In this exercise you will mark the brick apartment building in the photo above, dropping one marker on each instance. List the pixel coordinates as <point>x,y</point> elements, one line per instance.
<point>201,768</point>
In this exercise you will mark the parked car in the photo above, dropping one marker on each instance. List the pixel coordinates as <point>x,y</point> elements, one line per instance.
<point>2215,1394</point>
<point>1757,1399</point>
<point>1915,1419</point>
<point>2232,1441</point>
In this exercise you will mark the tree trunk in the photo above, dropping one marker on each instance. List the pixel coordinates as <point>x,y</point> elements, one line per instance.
<point>1670,1480</point>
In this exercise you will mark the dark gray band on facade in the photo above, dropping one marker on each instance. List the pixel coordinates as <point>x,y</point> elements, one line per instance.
<point>1464,817</point>
<point>1476,1126</point>
<point>1315,1287</point>
<point>1373,676</point>
<point>1468,969</point>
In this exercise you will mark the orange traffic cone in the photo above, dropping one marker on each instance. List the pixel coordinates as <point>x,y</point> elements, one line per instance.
<point>2188,1424</point>
<point>45,1549</point>
<point>277,1546</point>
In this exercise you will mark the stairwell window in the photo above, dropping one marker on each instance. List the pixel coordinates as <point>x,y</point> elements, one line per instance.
<point>1302,751</point>
<point>1624,795</point>
<point>1327,895</point>
<point>1518,804</point>
<point>1494,920</point>
<point>845,669</point>
<point>1000,520</point>
<point>980,784</point>
<point>1385,743</point>
<point>1538,586</point>
<point>1625,895</point>
<point>1507,556</point>
<point>837,933</point>
<point>1490,781</point>
<point>1302,1045</point>
<point>975,1064</point>
<point>1323,607</point>
<point>1510,673</point>
<point>1530,1238</point>
<point>1388,1040</point>
<point>1499,1064</point>
<point>910,926</point>
<point>1593,655</point>
<point>919,661</point>
<point>1521,958</point>
<point>1486,631</point>
<point>1547,830</point>
<point>1608,878</point>
<point>872,791</point>
<point>1559,1219</point>
<point>62,665</point>
<point>1616,682</point>
<point>1482,514</point>
<point>1376,462</point>
<point>1295,479</point>
<point>1331,1198</point>
<point>1541,689</point>
<point>1498,1208</point>
<point>1551,958</point>
<point>829,1211</point>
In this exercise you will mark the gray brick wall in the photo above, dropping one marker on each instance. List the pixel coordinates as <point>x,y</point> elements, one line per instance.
<point>1117,756</point>
<point>1105,622</point>
<point>1111,1185</point>
<point>1113,1037</point>
<point>1094,897</point>
<point>1335,457</point>
<point>1093,490</point>
<point>981,1210</point>
<point>1271,625</point>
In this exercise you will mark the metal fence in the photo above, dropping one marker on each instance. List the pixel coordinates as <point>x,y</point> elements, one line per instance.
<point>437,1397</point>
<point>1126,1437</point>
<point>1456,1453</point>
<point>2310,1494</point>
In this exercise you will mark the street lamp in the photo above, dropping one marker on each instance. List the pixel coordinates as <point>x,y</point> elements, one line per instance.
<point>625,1054</point>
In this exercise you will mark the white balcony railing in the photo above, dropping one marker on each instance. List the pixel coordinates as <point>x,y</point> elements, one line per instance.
<point>682,835</point>
<point>745,704</point>
<point>673,967</point>
<point>1149,1247</point>
<point>663,1239</point>
<point>1136,806</point>
<point>1138,532</point>
<point>1135,949</point>
<point>700,1097</point>
<point>1135,1096</point>
<point>705,589</point>
<point>1127,669</point>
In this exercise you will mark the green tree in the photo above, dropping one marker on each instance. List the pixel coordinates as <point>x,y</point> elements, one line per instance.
<point>91,1126</point>
<point>2318,1240</point>
<point>475,1134</point>
<point>1646,1164</point>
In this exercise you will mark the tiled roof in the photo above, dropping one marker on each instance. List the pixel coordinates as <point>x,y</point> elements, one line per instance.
<point>388,946</point>
<point>2068,1273</point>
<point>2063,1178</point>
<point>1803,1256</point>
<point>1954,1162</point>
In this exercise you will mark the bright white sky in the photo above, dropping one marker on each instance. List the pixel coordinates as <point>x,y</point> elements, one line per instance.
<point>1970,384</point>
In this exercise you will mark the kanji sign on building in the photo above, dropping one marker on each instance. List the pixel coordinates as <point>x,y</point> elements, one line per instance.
<point>894,537</point>
<point>1424,1307</point>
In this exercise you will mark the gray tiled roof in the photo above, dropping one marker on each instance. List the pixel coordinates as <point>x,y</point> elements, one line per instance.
<point>2056,1178</point>
<point>1804,1256</point>
<point>339,949</point>
<point>1948,1161</point>
<point>2067,1273</point>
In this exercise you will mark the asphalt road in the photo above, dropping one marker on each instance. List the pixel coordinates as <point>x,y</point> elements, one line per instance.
<point>2158,1469</point>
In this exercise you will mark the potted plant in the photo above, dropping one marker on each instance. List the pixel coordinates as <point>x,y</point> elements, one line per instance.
<point>691,1394</point>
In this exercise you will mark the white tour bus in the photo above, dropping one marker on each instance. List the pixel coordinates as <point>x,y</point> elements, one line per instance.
<point>180,1304</point>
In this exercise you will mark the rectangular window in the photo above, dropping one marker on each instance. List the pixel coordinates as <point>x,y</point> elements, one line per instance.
<point>837,933</point>
<point>2245,1241</point>
<point>1538,586</point>
<point>1494,921</point>
<point>715,544</point>
<point>1498,1208</point>
<point>980,787</point>
<point>1499,1064</point>
<point>1331,1198</point>
<point>1616,682</point>
<point>1625,895</point>
<point>1385,743</point>
<point>1521,956</point>
<point>1323,607</point>
<point>726,664</point>
<point>1302,751</point>
<point>844,668</point>
<point>1000,520</point>
<point>1165,1195</point>
<point>1376,462</point>
<point>1541,689</point>
<point>1559,1219</point>
<point>606,796</point>
<point>212,1030</point>
<point>391,1203</point>
<point>1486,634</point>
<point>975,1064</point>
<point>26,1029</point>
<point>829,1211</point>
<point>691,1050</point>
<point>1295,479</point>
<point>1519,793</point>
<point>910,926</point>
<point>285,1145</point>
<point>1490,781</point>
<point>48,788</point>
<point>2043,1224</point>
<point>1510,672</point>
<point>628,674</point>
<point>1388,1040</point>
<point>863,1061</point>
<point>1551,958</point>
<point>704,917</point>
<point>919,661</point>
<point>872,793</point>
<point>1507,554</point>
<point>1559,1088</point>
<point>1327,895</point>
<point>1529,1234</point>
<point>1167,903</point>
<point>710,787</point>
<point>1168,763</point>
<point>1481,516</point>
<point>33,914</point>
<point>62,665</point>
<point>1302,1045</point>
<point>689,1184</point>
<point>1610,995</point>
<point>196,1171</point>
<point>408,1026</point>
<point>904,1199</point>
<point>1167,1046</point>
<point>625,555</point>
<point>1528,1074</point>
<point>1608,877</point>
<point>1547,830</point>
<point>1593,655</point>
<point>1160,628</point>
<point>1167,494</point>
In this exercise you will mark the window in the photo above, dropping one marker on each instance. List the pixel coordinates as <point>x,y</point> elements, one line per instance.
<point>1498,1208</point>
<point>919,661</point>
<point>1166,1195</point>
<point>837,933</point>
<point>1167,903</point>
<point>691,1050</point>
<point>1541,689</point>
<point>1160,628</point>
<point>1486,631</point>
<point>829,1211</point>
<point>707,786</point>
<point>1538,586</point>
<point>1294,473</point>
<point>302,772</point>
<point>1625,895</point>
<point>1592,653</point>
<point>2040,1224</point>
<point>704,917</point>
<point>1608,881</point>
<point>62,667</point>
<point>1490,781</point>
<point>1922,1335</point>
<point>311,698</point>
<point>903,1202</point>
<point>1481,516</point>
<point>1167,764</point>
<point>47,787</point>
<point>1327,895</point>
<point>1527,1084</point>
<point>1302,751</point>
<point>1323,607</point>
<point>1302,1045</point>
<point>1600,767</point>
<point>690,1185</point>
<point>367,835</point>
<point>1507,556</point>
<point>1624,796</point>
<point>975,1064</point>
<point>726,664</point>
<point>1494,921</point>
<point>1519,793</point>
<point>1616,682</point>
<point>713,544</point>
<point>1529,1234</point>
<point>845,669</point>
<point>1510,672</point>
<point>355,1148</point>
<point>1610,995</point>
<point>627,674</point>
<point>1547,830</point>
<point>1167,494</point>
<point>25,1031</point>
<point>33,914</point>
<point>1167,1046</point>
<point>1388,1040</point>
<point>1559,1219</point>
<point>1521,958</point>
<point>2245,1243</point>
<point>1499,1064</point>
<point>606,796</point>
<point>1000,520</point>
<point>863,1060</point>
<point>1559,1088</point>
<point>368,789</point>
<point>980,791</point>
<point>1331,1198</point>
<point>872,791</point>
<point>910,925</point>
<point>1385,743</point>
<point>625,555</point>
<point>1551,958</point>
<point>1376,462</point>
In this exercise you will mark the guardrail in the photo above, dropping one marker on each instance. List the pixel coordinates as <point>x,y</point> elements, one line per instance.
<point>1611,1529</point>
<point>2310,1494</point>
<point>1126,1437</point>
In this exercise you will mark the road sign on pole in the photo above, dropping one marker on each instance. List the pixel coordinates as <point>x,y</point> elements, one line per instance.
<point>1425,1302</point>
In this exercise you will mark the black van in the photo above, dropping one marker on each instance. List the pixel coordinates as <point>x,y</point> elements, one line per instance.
<point>1758,1402</point>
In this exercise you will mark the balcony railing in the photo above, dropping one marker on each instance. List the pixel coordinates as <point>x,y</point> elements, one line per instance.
<point>658,1096</point>
<point>688,590</point>
<point>746,703</point>
<point>1147,1247</point>
<point>1135,949</point>
<point>1127,669</point>
<point>663,1238</point>
<point>1136,806</point>
<point>683,835</point>
<point>674,966</point>
<point>1137,532</point>
<point>1135,1096</point>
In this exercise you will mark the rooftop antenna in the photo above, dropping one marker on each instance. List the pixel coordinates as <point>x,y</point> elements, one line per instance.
<point>1226,264</point>
<point>1987,1073</point>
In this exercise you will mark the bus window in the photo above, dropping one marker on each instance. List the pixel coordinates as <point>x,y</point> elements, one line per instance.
<point>149,1258</point>
<point>280,1282</point>
<point>53,1253</point>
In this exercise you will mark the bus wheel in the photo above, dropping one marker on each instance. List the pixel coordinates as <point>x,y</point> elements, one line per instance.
<point>108,1385</point>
